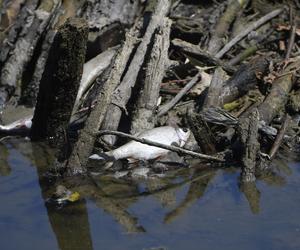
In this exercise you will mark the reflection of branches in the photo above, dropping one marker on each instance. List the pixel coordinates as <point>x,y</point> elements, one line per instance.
<point>196,190</point>
<point>166,198</point>
<point>252,195</point>
<point>4,165</point>
<point>71,226</point>
<point>113,208</point>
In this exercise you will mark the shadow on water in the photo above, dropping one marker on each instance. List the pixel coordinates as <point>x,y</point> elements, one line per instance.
<point>130,203</point>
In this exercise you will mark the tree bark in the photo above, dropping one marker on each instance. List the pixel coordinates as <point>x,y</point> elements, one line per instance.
<point>87,137</point>
<point>59,84</point>
<point>144,116</point>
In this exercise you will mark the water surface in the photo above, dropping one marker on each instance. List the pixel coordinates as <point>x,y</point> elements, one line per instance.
<point>197,209</point>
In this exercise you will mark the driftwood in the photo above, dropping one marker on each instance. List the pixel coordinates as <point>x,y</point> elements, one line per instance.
<point>21,55</point>
<point>195,52</point>
<point>243,80</point>
<point>164,109</point>
<point>123,92</point>
<point>85,144</point>
<point>30,90</point>
<point>212,98</point>
<point>198,125</point>
<point>144,116</point>
<point>279,136</point>
<point>223,25</point>
<point>246,31</point>
<point>59,84</point>
<point>103,13</point>
<point>248,134</point>
<point>25,15</point>
<point>276,99</point>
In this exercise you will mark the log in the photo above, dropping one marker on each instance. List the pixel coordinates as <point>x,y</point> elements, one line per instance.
<point>197,124</point>
<point>85,144</point>
<point>59,85</point>
<point>223,25</point>
<point>31,89</point>
<point>100,14</point>
<point>212,99</point>
<point>20,56</point>
<point>246,31</point>
<point>200,55</point>
<point>123,92</point>
<point>202,133</point>
<point>276,99</point>
<point>144,116</point>
<point>243,80</point>
<point>249,146</point>
<point>26,14</point>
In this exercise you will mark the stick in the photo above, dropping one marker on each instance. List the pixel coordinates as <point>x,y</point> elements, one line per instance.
<point>144,116</point>
<point>84,146</point>
<point>156,144</point>
<point>246,31</point>
<point>164,109</point>
<point>292,37</point>
<point>279,136</point>
<point>223,25</point>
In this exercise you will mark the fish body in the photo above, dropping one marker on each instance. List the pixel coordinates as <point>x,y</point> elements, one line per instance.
<point>20,126</point>
<point>166,135</point>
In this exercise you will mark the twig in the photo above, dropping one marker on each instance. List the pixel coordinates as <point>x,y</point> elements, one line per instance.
<point>164,109</point>
<point>292,35</point>
<point>246,31</point>
<point>160,145</point>
<point>279,136</point>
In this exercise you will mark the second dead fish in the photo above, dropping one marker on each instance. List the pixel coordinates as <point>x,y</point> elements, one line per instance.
<point>138,151</point>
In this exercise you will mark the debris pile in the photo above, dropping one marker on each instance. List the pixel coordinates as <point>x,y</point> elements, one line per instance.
<point>98,71</point>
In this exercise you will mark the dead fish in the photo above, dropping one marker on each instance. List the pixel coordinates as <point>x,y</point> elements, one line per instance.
<point>138,151</point>
<point>21,126</point>
<point>91,70</point>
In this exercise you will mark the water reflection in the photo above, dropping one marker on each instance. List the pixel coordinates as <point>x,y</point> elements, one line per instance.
<point>117,197</point>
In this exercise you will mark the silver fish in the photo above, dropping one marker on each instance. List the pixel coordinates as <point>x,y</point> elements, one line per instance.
<point>23,124</point>
<point>91,70</point>
<point>166,135</point>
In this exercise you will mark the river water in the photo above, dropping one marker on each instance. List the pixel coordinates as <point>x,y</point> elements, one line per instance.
<point>194,209</point>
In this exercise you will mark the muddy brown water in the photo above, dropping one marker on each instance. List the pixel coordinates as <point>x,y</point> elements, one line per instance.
<point>194,209</point>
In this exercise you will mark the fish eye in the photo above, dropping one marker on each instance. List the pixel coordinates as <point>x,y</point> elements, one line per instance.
<point>185,130</point>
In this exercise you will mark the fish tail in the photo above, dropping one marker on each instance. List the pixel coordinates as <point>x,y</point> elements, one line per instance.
<point>103,156</point>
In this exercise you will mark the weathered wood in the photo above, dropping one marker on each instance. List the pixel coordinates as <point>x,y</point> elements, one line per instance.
<point>200,55</point>
<point>123,92</point>
<point>198,125</point>
<point>21,55</point>
<point>24,17</point>
<point>243,80</point>
<point>249,146</point>
<point>85,144</point>
<point>246,31</point>
<point>144,116</point>
<point>223,25</point>
<point>279,136</point>
<point>202,133</point>
<point>105,12</point>
<point>165,108</point>
<point>60,83</point>
<point>212,99</point>
<point>30,90</point>
<point>276,99</point>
